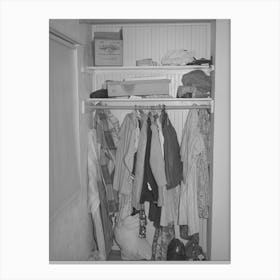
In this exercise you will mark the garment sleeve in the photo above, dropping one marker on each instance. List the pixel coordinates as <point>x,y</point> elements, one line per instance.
<point>119,155</point>
<point>139,170</point>
<point>157,163</point>
<point>129,155</point>
<point>93,194</point>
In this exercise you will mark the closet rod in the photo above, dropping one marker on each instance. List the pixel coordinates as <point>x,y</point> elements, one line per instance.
<point>148,107</point>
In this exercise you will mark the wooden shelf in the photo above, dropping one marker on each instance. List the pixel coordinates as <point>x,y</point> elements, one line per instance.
<point>129,68</point>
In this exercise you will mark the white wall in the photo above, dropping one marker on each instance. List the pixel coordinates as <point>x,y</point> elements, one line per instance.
<point>220,227</point>
<point>71,235</point>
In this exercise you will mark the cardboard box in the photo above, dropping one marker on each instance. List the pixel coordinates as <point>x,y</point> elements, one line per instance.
<point>108,35</point>
<point>108,52</point>
<point>138,87</point>
<point>108,49</point>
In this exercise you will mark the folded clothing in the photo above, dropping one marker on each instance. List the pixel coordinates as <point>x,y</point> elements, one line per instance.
<point>177,57</point>
<point>191,92</point>
<point>100,93</point>
<point>197,79</point>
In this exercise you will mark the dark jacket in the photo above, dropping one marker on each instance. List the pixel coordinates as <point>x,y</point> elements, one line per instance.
<point>150,188</point>
<point>172,158</point>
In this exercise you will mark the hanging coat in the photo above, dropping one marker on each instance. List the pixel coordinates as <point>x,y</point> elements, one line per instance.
<point>194,188</point>
<point>139,168</point>
<point>94,203</point>
<point>126,148</point>
<point>172,158</point>
<point>150,188</point>
<point>107,128</point>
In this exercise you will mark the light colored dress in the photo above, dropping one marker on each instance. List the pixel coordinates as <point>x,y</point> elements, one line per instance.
<point>194,202</point>
<point>93,193</point>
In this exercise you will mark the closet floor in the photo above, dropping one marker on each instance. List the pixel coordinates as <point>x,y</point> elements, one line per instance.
<point>115,255</point>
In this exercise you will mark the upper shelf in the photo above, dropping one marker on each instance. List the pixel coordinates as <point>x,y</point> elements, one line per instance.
<point>162,67</point>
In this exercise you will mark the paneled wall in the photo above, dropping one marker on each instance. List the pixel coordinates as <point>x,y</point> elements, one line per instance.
<point>154,40</point>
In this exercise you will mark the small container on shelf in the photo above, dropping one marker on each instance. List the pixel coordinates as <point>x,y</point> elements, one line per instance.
<point>138,87</point>
<point>107,49</point>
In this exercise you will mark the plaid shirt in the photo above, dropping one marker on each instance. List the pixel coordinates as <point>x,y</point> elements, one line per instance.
<point>107,128</point>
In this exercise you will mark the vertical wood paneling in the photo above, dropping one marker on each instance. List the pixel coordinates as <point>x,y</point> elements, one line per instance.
<point>194,40</point>
<point>156,43</point>
<point>208,41</point>
<point>187,36</point>
<point>171,37</point>
<point>163,42</point>
<point>153,41</point>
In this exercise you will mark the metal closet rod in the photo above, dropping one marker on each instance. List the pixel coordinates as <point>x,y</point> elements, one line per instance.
<point>149,107</point>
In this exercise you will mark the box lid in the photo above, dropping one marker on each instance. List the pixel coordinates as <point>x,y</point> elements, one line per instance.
<point>108,35</point>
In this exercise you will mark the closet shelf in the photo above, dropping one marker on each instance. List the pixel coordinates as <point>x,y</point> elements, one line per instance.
<point>90,69</point>
<point>127,104</point>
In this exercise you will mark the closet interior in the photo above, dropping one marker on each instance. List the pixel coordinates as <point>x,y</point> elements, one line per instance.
<point>183,214</point>
<point>147,109</point>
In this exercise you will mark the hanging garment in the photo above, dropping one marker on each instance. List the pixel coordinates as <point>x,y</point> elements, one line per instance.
<point>123,179</point>
<point>162,238</point>
<point>172,158</point>
<point>204,124</point>
<point>170,198</point>
<point>93,193</point>
<point>105,218</point>
<point>203,184</point>
<point>170,208</point>
<point>98,233</point>
<point>139,166</point>
<point>125,207</point>
<point>92,166</point>
<point>157,163</point>
<point>126,149</point>
<point>97,199</point>
<point>149,190</point>
<point>136,145</point>
<point>161,137</point>
<point>150,187</point>
<point>107,128</point>
<point>194,201</point>
<point>154,214</point>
